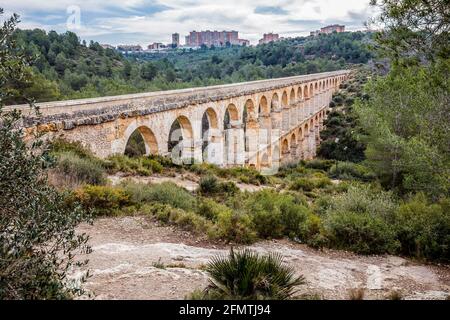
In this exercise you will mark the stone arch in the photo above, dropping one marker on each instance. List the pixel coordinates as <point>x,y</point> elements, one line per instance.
<point>276,156</point>
<point>231,115</point>
<point>292,99</point>
<point>284,99</point>
<point>299,94</point>
<point>263,107</point>
<point>285,146</point>
<point>265,160</point>
<point>300,134</point>
<point>311,90</point>
<point>306,92</point>
<point>275,103</point>
<point>316,88</point>
<point>180,139</point>
<point>209,124</point>
<point>250,108</point>
<point>230,119</point>
<point>293,143</point>
<point>149,138</point>
<point>248,115</point>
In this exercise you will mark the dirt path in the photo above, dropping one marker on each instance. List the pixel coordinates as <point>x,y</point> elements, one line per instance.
<point>129,252</point>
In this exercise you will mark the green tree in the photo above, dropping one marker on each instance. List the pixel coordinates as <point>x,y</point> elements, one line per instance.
<point>37,227</point>
<point>149,71</point>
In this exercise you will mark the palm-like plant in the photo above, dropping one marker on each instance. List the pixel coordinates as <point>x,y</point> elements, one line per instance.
<point>247,275</point>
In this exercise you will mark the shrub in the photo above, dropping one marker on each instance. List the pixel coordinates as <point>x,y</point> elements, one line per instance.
<point>303,184</point>
<point>209,185</point>
<point>162,212</point>
<point>166,193</point>
<point>324,165</point>
<point>61,146</point>
<point>316,181</point>
<point>38,239</point>
<point>266,214</point>
<point>102,200</point>
<point>79,170</point>
<point>152,165</point>
<point>351,171</point>
<point>293,218</point>
<point>423,229</point>
<point>245,275</point>
<point>361,220</point>
<point>123,163</point>
<point>210,209</point>
<point>192,222</point>
<point>275,215</point>
<point>361,233</point>
<point>234,226</point>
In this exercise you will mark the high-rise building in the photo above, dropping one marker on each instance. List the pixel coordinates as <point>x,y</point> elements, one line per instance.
<point>176,39</point>
<point>269,37</point>
<point>213,38</point>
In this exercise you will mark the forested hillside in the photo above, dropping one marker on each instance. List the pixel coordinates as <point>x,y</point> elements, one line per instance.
<point>63,67</point>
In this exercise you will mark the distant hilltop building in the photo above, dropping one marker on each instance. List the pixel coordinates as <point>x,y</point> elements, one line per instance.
<point>107,46</point>
<point>329,29</point>
<point>156,46</point>
<point>128,48</point>
<point>176,40</point>
<point>214,38</point>
<point>269,37</point>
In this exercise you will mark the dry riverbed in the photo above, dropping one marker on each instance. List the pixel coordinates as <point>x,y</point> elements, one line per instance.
<point>135,258</point>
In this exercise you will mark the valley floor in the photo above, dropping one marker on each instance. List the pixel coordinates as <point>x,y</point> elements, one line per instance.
<point>135,258</point>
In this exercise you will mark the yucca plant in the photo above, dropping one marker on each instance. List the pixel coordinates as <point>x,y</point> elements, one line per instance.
<point>247,275</point>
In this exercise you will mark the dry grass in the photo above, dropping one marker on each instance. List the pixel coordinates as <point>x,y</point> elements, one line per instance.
<point>356,294</point>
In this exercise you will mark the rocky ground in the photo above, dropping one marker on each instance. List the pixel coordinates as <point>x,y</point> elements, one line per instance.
<point>135,258</point>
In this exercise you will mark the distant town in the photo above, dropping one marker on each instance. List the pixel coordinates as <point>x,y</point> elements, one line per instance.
<point>198,39</point>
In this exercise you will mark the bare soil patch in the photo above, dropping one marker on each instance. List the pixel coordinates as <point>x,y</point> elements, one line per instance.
<point>136,258</point>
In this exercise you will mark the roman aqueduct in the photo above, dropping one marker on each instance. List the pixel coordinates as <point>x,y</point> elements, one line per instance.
<point>258,124</point>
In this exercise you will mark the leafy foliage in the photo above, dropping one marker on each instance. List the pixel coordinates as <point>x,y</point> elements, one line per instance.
<point>65,68</point>
<point>37,227</point>
<point>245,275</point>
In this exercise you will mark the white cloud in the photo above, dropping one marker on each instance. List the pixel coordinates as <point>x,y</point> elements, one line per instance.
<point>124,17</point>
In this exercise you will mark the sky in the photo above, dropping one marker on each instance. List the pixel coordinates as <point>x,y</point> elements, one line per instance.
<point>146,21</point>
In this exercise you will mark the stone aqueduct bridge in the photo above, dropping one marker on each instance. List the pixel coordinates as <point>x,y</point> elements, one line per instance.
<point>258,124</point>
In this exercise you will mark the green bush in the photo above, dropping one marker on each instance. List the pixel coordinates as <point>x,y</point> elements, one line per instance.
<point>361,221</point>
<point>245,275</point>
<point>166,193</point>
<point>102,200</point>
<point>423,229</point>
<point>124,164</point>
<point>303,184</point>
<point>276,214</point>
<point>209,185</point>
<point>351,171</point>
<point>61,146</point>
<point>317,164</point>
<point>210,209</point>
<point>361,233</point>
<point>152,165</point>
<point>307,184</point>
<point>192,222</point>
<point>79,170</point>
<point>293,218</point>
<point>186,220</point>
<point>234,226</point>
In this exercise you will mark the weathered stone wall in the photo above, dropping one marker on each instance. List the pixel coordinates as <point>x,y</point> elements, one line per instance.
<point>283,120</point>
